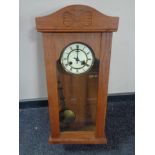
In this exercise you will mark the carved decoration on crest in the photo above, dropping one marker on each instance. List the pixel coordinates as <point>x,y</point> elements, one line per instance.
<point>83,18</point>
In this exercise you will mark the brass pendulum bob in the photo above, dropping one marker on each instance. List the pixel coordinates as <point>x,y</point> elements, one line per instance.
<point>66,115</point>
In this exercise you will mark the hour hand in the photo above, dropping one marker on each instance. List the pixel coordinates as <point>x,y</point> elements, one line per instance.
<point>76,59</point>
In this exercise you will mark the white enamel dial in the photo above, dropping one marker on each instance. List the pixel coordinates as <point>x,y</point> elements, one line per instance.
<point>77,58</point>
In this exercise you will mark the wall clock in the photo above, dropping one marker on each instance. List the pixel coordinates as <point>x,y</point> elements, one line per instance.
<point>77,47</point>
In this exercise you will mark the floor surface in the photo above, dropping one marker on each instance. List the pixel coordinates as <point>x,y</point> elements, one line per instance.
<point>34,132</point>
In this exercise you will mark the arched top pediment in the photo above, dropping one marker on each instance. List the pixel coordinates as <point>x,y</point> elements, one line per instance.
<point>77,18</point>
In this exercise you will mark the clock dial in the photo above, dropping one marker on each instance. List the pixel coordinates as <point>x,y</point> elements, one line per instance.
<point>77,58</point>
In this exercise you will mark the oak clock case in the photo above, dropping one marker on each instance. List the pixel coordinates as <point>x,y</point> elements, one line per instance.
<point>77,42</point>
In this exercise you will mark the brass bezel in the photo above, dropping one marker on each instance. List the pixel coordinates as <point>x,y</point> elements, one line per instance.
<point>93,56</point>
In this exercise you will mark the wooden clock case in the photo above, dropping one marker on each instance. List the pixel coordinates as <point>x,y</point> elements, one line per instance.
<point>77,23</point>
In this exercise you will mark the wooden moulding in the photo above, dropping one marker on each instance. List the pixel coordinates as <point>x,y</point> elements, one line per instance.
<point>77,18</point>
<point>78,137</point>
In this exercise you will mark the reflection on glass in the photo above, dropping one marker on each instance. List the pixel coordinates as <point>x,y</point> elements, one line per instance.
<point>77,99</point>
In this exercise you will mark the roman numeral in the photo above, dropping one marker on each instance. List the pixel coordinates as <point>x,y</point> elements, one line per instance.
<point>87,65</point>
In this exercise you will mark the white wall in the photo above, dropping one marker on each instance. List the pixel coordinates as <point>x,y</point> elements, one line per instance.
<point>32,71</point>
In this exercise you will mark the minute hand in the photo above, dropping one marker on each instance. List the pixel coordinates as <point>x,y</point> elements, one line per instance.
<point>77,58</point>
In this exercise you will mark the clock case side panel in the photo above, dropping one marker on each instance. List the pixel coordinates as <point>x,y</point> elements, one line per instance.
<point>51,78</point>
<point>105,54</point>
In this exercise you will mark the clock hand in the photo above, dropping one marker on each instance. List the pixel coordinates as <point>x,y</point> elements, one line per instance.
<point>77,58</point>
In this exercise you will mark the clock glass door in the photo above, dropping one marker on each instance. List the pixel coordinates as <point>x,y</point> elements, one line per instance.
<point>77,70</point>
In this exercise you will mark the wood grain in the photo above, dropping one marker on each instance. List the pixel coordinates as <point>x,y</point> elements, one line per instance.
<point>80,137</point>
<point>77,18</point>
<point>103,83</point>
<point>51,76</point>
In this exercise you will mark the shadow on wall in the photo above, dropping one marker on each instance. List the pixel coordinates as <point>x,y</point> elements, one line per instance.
<point>41,78</point>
